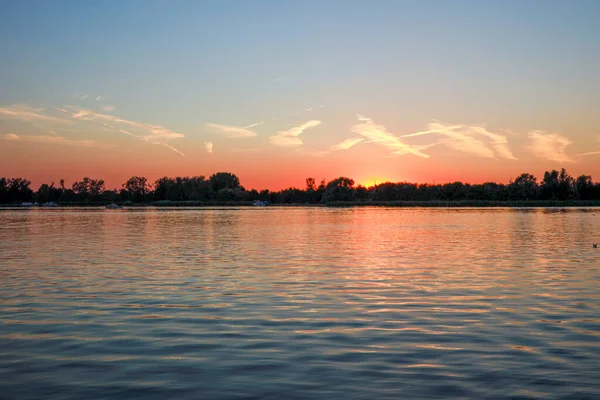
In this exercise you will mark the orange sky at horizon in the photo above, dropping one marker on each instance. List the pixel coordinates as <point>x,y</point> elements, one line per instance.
<point>374,91</point>
<point>259,171</point>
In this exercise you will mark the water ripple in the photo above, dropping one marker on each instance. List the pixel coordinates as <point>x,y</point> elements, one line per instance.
<point>299,303</point>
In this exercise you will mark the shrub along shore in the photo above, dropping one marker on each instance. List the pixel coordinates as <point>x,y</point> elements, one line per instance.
<point>556,189</point>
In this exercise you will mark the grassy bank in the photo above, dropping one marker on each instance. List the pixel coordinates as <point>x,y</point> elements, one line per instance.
<point>469,203</point>
<point>406,204</point>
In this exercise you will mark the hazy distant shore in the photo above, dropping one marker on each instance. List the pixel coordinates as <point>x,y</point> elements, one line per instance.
<point>557,189</point>
<point>399,204</point>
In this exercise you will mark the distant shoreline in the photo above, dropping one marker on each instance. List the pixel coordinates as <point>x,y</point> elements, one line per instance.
<point>340,204</point>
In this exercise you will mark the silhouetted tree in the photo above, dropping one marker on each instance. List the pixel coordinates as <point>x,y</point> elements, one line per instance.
<point>43,194</point>
<point>15,190</point>
<point>586,189</point>
<point>228,194</point>
<point>3,191</point>
<point>183,188</point>
<point>264,195</point>
<point>361,193</point>
<point>88,189</point>
<point>339,189</point>
<point>557,186</point>
<point>136,188</point>
<point>224,180</point>
<point>524,187</point>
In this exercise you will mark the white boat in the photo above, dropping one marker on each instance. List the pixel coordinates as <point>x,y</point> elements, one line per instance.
<point>258,203</point>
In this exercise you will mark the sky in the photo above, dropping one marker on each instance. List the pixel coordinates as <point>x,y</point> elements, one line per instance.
<point>278,91</point>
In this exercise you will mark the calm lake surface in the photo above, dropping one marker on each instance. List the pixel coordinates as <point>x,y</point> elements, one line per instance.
<point>299,303</point>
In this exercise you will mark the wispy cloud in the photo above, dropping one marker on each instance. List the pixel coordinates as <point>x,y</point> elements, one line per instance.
<point>208,146</point>
<point>550,146</point>
<point>281,79</point>
<point>347,144</point>
<point>100,98</point>
<point>591,153</point>
<point>419,147</point>
<point>466,138</point>
<point>290,137</point>
<point>80,96</point>
<point>109,108</point>
<point>378,134</point>
<point>499,142</point>
<point>234,131</point>
<point>168,146</point>
<point>155,134</point>
<point>62,140</point>
<point>23,112</point>
<point>147,130</point>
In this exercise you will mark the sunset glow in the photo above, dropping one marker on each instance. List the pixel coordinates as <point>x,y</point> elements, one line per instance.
<point>373,181</point>
<point>384,91</point>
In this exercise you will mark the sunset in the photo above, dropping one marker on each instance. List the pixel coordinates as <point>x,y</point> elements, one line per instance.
<point>402,90</point>
<point>299,199</point>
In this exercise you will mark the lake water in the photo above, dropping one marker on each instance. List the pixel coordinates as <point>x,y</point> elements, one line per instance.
<point>299,303</point>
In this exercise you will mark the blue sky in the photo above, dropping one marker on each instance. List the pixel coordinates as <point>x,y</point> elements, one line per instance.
<point>515,66</point>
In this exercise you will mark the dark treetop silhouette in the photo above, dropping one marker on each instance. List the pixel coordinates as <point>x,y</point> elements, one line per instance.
<point>225,188</point>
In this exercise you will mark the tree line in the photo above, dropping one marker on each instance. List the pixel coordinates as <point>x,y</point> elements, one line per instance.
<point>225,187</point>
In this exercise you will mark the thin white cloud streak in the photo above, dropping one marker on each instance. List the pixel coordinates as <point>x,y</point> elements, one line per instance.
<point>168,146</point>
<point>23,112</point>
<point>290,137</point>
<point>100,98</point>
<point>208,146</point>
<point>150,130</point>
<point>379,134</point>
<point>109,108</point>
<point>51,140</point>
<point>283,78</point>
<point>347,144</point>
<point>253,125</point>
<point>234,131</point>
<point>419,147</point>
<point>591,153</point>
<point>154,134</point>
<point>80,96</point>
<point>464,138</point>
<point>550,146</point>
